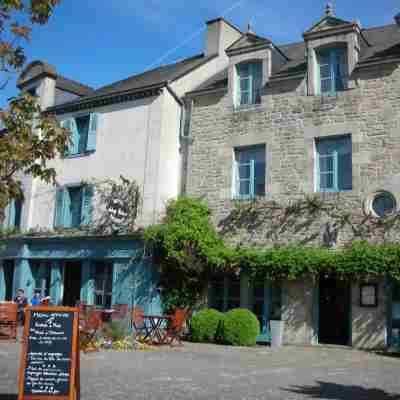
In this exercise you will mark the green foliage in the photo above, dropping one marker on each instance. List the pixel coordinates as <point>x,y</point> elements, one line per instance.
<point>240,327</point>
<point>116,331</point>
<point>22,149</point>
<point>206,325</point>
<point>191,251</point>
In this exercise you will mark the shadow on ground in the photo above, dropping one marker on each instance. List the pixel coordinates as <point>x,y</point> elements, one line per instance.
<point>8,396</point>
<point>335,391</point>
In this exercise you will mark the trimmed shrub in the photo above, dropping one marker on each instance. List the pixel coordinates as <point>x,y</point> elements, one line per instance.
<point>206,325</point>
<point>240,328</point>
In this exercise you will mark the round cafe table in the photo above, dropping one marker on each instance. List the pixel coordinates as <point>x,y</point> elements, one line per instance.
<point>156,325</point>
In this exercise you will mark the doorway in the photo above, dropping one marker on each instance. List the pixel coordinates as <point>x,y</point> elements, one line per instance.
<point>334,311</point>
<point>8,268</point>
<point>72,283</point>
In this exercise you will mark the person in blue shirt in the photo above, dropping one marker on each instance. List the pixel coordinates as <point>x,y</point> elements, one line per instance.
<point>36,299</point>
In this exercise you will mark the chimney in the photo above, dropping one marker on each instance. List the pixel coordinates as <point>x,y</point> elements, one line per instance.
<point>40,78</point>
<point>220,35</point>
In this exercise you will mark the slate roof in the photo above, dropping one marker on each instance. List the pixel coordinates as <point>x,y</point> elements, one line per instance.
<point>73,86</point>
<point>381,41</point>
<point>154,78</point>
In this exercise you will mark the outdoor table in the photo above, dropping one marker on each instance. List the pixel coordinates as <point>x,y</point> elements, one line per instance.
<point>107,314</point>
<point>156,328</point>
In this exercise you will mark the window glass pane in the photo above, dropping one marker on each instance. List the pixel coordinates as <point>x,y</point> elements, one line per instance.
<point>244,98</point>
<point>247,157</point>
<point>82,124</point>
<point>326,163</point>
<point>243,70</point>
<point>244,84</point>
<point>383,204</point>
<point>326,85</point>
<point>325,71</point>
<point>103,284</point>
<point>345,171</point>
<point>244,171</point>
<point>244,187</point>
<point>328,149</point>
<point>76,206</point>
<point>259,177</point>
<point>327,181</point>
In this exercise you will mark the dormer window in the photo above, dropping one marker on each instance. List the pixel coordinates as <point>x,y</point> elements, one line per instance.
<point>249,83</point>
<point>331,71</point>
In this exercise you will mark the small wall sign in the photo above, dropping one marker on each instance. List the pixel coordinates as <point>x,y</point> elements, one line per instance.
<point>369,295</point>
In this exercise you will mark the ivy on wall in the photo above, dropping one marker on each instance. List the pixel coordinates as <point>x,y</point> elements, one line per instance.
<point>189,245</point>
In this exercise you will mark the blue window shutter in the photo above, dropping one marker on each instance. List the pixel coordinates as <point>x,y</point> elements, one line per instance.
<point>59,208</point>
<point>237,87</point>
<point>335,172</point>
<point>252,179</point>
<point>317,80</point>
<point>71,126</point>
<point>257,82</point>
<point>93,125</point>
<point>18,213</point>
<point>11,215</point>
<point>66,209</point>
<point>235,179</point>
<point>318,173</point>
<point>87,204</point>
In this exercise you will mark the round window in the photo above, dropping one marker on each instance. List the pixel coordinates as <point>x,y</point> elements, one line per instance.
<point>383,204</point>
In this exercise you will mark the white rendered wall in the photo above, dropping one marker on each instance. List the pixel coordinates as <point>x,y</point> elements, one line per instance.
<point>128,143</point>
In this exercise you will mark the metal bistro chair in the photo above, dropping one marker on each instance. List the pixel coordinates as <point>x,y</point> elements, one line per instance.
<point>140,329</point>
<point>8,321</point>
<point>89,328</point>
<point>176,327</point>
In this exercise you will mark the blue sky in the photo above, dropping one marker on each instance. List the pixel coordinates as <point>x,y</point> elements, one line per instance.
<point>100,41</point>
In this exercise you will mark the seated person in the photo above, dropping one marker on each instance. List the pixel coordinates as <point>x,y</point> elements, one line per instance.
<point>22,302</point>
<point>36,299</point>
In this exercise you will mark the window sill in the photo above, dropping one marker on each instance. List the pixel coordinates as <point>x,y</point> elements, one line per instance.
<point>248,107</point>
<point>80,155</point>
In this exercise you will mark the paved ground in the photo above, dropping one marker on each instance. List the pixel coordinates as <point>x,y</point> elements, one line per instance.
<point>216,372</point>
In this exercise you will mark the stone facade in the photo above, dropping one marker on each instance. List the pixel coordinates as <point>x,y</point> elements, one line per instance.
<point>288,121</point>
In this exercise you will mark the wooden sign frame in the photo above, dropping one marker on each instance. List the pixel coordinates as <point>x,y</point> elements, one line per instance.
<point>74,386</point>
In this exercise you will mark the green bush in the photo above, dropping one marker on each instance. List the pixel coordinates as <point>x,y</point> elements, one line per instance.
<point>240,328</point>
<point>206,325</point>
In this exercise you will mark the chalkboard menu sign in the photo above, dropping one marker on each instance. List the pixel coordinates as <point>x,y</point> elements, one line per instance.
<point>50,356</point>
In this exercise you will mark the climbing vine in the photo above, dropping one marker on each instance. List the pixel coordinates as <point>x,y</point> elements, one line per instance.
<point>191,249</point>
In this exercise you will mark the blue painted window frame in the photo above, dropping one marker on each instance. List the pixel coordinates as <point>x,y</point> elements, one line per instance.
<point>251,178</point>
<point>332,69</point>
<point>103,284</point>
<point>248,83</point>
<point>13,215</point>
<point>73,206</point>
<point>332,158</point>
<point>83,141</point>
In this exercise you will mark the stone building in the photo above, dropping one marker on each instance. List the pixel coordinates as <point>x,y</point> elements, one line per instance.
<point>129,128</point>
<point>285,125</point>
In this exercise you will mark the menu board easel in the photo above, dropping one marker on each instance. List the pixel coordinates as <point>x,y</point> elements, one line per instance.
<point>50,360</point>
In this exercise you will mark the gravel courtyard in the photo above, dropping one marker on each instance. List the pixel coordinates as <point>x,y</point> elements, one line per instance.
<point>216,372</point>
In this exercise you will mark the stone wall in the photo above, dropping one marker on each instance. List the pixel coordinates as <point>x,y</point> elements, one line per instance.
<point>288,122</point>
<point>297,311</point>
<point>369,325</point>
